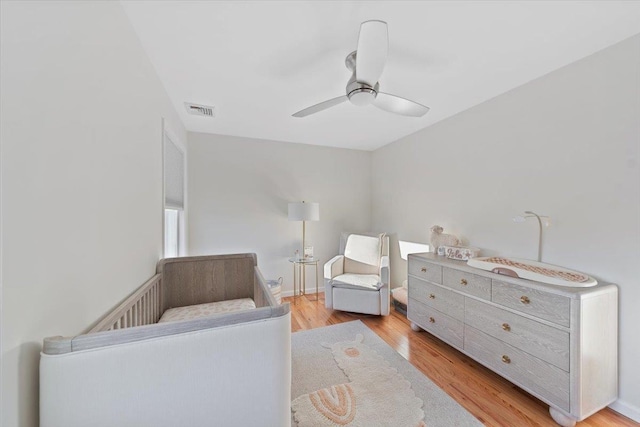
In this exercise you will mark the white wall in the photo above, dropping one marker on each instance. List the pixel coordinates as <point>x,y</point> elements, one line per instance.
<point>81,178</point>
<point>239,189</point>
<point>565,145</point>
<point>81,182</point>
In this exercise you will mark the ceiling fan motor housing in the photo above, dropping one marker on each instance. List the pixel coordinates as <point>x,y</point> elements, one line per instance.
<point>361,94</point>
<point>366,64</point>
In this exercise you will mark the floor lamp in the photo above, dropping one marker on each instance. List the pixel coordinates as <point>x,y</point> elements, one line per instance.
<point>303,211</point>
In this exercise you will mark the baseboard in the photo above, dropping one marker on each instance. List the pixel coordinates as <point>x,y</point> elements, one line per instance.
<point>309,291</point>
<point>626,409</point>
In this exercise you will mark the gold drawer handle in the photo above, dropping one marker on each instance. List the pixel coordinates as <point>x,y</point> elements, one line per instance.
<point>506,327</point>
<point>432,320</point>
<point>463,282</point>
<point>432,296</point>
<point>525,299</point>
<point>423,269</point>
<point>506,359</point>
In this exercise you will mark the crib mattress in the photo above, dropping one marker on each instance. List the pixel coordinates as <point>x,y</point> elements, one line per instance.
<point>203,310</point>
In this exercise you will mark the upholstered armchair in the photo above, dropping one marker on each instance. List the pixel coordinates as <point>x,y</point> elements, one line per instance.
<point>357,279</point>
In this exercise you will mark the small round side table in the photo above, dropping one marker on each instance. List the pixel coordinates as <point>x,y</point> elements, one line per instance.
<point>299,278</point>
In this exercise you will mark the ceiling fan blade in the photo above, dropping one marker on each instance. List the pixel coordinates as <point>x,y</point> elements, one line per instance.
<point>398,105</point>
<point>371,56</point>
<point>321,106</point>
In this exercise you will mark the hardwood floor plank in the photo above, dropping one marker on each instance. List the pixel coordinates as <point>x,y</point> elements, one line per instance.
<point>485,394</point>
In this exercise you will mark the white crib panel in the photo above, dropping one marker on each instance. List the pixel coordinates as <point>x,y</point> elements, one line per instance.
<point>231,375</point>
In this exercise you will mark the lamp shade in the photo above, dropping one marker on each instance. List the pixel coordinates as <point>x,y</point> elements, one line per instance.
<point>304,211</point>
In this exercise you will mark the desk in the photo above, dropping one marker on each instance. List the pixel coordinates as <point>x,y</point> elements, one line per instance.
<point>299,279</point>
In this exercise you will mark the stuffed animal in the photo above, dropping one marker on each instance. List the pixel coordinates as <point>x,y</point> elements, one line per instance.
<point>438,238</point>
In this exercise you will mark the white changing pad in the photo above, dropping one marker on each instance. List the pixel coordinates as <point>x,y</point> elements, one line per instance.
<point>203,310</point>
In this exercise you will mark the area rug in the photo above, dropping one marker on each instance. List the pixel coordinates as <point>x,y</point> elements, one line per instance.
<point>335,373</point>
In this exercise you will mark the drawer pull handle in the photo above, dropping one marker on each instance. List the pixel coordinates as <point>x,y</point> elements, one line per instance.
<point>432,296</point>
<point>506,359</point>
<point>423,269</point>
<point>525,299</point>
<point>506,327</point>
<point>432,320</point>
<point>463,282</point>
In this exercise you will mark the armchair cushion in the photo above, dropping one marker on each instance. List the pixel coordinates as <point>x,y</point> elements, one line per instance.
<point>362,254</point>
<point>357,281</point>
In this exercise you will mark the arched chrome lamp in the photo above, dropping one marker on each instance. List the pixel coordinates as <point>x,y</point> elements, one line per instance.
<point>531,214</point>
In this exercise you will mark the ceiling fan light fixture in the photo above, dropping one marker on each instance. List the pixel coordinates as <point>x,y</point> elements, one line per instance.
<point>366,65</point>
<point>362,97</point>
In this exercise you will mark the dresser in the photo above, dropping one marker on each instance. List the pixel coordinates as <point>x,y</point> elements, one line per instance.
<point>558,343</point>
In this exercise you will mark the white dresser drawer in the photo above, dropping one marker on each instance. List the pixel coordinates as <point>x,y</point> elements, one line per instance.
<point>544,305</point>
<point>445,327</point>
<point>468,283</point>
<point>443,300</point>
<point>425,270</point>
<point>545,342</point>
<point>560,344</point>
<point>547,381</point>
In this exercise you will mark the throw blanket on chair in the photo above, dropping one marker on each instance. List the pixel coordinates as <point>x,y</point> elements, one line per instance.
<point>376,396</point>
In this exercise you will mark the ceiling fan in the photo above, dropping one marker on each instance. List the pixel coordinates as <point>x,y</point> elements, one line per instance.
<point>367,64</point>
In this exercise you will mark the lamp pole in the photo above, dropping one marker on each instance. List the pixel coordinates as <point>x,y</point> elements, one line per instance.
<point>539,233</point>
<point>303,276</point>
<point>302,211</point>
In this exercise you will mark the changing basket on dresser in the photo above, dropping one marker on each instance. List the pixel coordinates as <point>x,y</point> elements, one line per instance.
<point>558,343</point>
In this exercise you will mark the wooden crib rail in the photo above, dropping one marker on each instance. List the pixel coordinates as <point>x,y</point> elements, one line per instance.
<point>202,279</point>
<point>143,307</point>
<point>179,282</point>
<point>262,295</point>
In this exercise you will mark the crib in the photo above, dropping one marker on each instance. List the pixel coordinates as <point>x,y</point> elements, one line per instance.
<point>134,369</point>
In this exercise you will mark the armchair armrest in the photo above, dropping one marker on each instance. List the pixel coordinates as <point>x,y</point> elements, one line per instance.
<point>384,270</point>
<point>385,290</point>
<point>334,267</point>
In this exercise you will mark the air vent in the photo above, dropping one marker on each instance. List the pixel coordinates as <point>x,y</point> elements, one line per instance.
<point>199,110</point>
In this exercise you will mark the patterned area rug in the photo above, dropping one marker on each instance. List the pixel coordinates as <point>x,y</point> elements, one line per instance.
<point>376,393</point>
<point>345,375</point>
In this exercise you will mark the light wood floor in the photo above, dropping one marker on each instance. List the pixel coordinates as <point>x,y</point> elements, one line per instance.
<point>489,397</point>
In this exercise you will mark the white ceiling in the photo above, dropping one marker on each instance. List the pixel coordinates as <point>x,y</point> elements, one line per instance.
<point>260,62</point>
